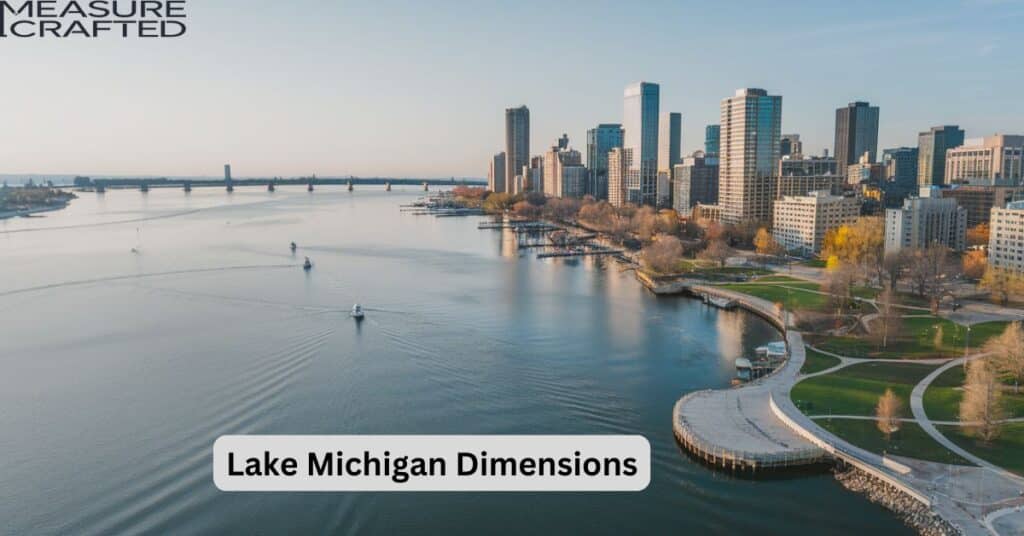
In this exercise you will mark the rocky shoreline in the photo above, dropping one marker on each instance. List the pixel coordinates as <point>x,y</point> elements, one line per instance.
<point>910,511</point>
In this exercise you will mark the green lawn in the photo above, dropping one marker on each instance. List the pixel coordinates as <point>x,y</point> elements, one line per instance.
<point>792,299</point>
<point>942,399</point>
<point>854,390</point>
<point>916,340</point>
<point>1006,451</point>
<point>910,441</point>
<point>817,362</point>
<point>814,263</point>
<point>782,279</point>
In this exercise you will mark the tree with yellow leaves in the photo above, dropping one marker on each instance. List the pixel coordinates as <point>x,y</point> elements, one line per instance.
<point>1001,283</point>
<point>887,413</point>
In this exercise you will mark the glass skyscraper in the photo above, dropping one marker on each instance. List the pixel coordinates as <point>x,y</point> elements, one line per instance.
<point>931,153</point>
<point>711,135</point>
<point>856,134</point>
<point>517,144</point>
<point>601,140</point>
<point>751,130</point>
<point>640,121</point>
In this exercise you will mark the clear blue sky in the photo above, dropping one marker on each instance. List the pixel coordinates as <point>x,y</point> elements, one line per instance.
<point>419,88</point>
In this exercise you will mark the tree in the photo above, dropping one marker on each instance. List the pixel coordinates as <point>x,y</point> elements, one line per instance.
<point>981,409</point>
<point>892,266</point>
<point>889,320</point>
<point>498,202</point>
<point>1007,353</point>
<point>861,243</point>
<point>974,263</point>
<point>839,279</point>
<point>765,243</point>
<point>525,209</point>
<point>1001,283</point>
<point>888,412</point>
<point>717,251</point>
<point>931,272</point>
<point>937,338</point>
<point>978,235</point>
<point>662,254</point>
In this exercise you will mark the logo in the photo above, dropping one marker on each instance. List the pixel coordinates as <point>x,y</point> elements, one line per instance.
<point>91,19</point>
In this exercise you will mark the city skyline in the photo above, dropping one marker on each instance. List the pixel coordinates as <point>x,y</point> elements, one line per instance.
<point>314,105</point>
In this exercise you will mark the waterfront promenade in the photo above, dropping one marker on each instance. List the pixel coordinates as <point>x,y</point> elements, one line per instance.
<point>758,426</point>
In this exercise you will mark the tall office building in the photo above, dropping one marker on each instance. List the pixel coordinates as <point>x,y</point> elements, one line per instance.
<point>931,153</point>
<point>979,200</point>
<point>227,172</point>
<point>496,173</point>
<point>790,145</point>
<point>900,174</point>
<point>600,141</point>
<point>1006,240</point>
<point>865,172</point>
<point>856,134</point>
<point>564,174</point>
<point>695,181</point>
<point>711,137</point>
<point>993,160</point>
<point>517,144</point>
<point>751,128</point>
<point>670,140</point>
<point>640,121</point>
<point>618,163</point>
<point>807,165</point>
<point>926,220</point>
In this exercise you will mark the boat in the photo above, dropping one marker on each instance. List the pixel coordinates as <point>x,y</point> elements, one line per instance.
<point>307,266</point>
<point>350,187</point>
<point>293,247</point>
<point>357,312</point>
<point>270,187</point>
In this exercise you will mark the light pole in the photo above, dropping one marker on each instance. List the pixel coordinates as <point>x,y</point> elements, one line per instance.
<point>967,346</point>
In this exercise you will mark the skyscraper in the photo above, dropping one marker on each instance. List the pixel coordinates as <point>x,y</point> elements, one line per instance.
<point>856,134</point>
<point>900,174</point>
<point>791,145</point>
<point>618,163</point>
<point>517,143</point>
<point>931,153</point>
<point>711,136</point>
<point>751,129</point>
<point>496,173</point>
<point>670,140</point>
<point>640,121</point>
<point>601,140</point>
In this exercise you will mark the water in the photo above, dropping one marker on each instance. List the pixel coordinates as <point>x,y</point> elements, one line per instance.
<point>120,369</point>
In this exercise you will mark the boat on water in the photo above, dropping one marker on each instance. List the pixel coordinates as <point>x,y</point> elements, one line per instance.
<point>357,312</point>
<point>308,265</point>
<point>293,247</point>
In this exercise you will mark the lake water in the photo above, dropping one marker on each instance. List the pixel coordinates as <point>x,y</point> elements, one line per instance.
<point>118,370</point>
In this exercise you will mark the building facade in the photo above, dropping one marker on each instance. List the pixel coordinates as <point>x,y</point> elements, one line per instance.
<point>517,144</point>
<point>865,172</point>
<point>695,181</point>
<point>856,134</point>
<point>931,153</point>
<point>712,134</point>
<point>641,101</point>
<point>979,200</point>
<point>1006,238</point>
<point>925,220</point>
<point>800,222</point>
<point>496,173</point>
<point>995,160</point>
<point>600,140</point>
<point>790,145</point>
<point>751,128</point>
<point>807,165</point>
<point>618,162</point>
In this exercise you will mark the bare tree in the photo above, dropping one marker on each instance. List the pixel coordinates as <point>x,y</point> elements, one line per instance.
<point>888,412</point>
<point>889,320</point>
<point>981,409</point>
<point>717,251</point>
<point>931,272</point>
<point>662,255</point>
<point>838,284</point>
<point>1007,353</point>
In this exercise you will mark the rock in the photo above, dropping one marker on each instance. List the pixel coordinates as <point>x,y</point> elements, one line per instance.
<point>909,510</point>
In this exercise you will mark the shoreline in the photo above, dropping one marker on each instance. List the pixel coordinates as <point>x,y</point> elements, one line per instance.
<point>28,212</point>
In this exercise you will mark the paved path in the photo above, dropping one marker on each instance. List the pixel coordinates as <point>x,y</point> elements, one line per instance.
<point>917,407</point>
<point>905,419</point>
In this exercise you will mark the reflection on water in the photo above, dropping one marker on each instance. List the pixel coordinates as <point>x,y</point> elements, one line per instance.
<point>120,369</point>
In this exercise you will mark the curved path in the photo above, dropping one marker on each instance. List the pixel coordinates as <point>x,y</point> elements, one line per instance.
<point>917,408</point>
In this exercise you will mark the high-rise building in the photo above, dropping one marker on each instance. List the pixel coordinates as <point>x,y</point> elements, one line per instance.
<point>800,222</point>
<point>600,140</point>
<point>865,172</point>
<point>798,165</point>
<point>979,200</point>
<point>791,145</point>
<point>618,163</point>
<point>695,181</point>
<point>856,134</point>
<point>564,174</point>
<point>997,159</point>
<point>496,173</point>
<point>227,172</point>
<point>712,134</point>
<point>517,143</point>
<point>751,127</point>
<point>1006,238</point>
<point>670,140</point>
<point>931,153</point>
<point>640,121</point>
<point>926,220</point>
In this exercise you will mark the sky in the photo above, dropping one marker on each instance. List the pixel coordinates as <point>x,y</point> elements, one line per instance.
<point>419,89</point>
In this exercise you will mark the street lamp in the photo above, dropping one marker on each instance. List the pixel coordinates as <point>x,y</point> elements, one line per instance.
<point>967,346</point>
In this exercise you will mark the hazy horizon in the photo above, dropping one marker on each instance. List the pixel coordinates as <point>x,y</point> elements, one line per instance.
<point>404,89</point>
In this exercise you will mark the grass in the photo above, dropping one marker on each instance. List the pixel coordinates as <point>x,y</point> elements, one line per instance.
<point>792,299</point>
<point>817,362</point>
<point>942,399</point>
<point>855,390</point>
<point>1005,451</point>
<point>910,441</point>
<point>814,263</point>
<point>916,340</point>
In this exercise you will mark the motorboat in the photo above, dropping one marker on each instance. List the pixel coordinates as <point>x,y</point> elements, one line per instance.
<point>308,265</point>
<point>357,312</point>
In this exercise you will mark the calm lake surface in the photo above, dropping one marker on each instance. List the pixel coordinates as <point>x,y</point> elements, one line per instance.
<point>118,370</point>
